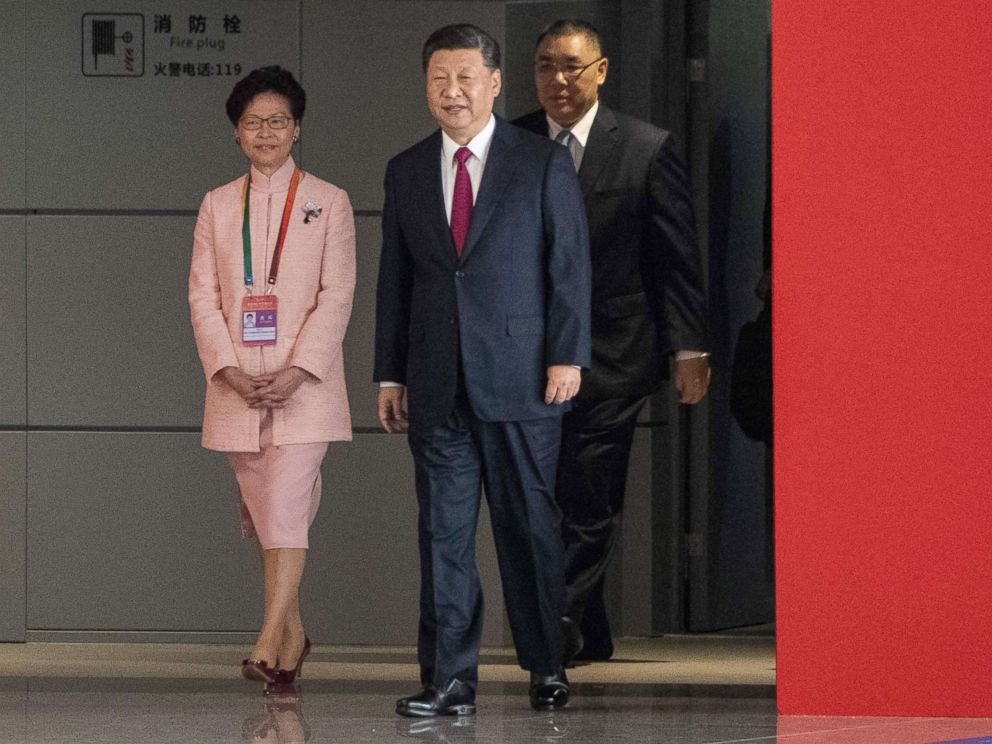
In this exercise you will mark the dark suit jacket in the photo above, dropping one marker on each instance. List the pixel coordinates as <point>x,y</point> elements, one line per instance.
<point>514,303</point>
<point>647,297</point>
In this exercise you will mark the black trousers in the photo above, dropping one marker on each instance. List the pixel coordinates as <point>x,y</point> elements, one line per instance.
<point>592,475</point>
<point>515,462</point>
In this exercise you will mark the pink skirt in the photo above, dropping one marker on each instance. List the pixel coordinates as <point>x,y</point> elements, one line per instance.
<point>280,489</point>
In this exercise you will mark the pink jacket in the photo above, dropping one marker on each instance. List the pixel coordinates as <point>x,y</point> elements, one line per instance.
<point>315,287</point>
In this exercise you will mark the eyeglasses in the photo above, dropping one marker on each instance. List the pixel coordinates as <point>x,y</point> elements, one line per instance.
<point>276,121</point>
<point>572,72</point>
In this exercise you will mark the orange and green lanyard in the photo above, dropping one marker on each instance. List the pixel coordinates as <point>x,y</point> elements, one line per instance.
<point>246,231</point>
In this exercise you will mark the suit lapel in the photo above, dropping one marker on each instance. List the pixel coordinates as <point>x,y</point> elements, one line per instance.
<point>432,194</point>
<point>599,148</point>
<point>500,165</point>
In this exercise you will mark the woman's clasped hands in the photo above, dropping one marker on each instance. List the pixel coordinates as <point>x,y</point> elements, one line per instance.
<point>265,391</point>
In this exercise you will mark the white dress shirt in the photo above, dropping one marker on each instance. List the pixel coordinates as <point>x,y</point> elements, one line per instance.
<point>475,165</point>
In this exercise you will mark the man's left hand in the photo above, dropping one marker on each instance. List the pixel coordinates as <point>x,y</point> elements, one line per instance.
<point>563,383</point>
<point>692,379</point>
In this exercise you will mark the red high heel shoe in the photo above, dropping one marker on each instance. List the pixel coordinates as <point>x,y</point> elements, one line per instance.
<point>288,676</point>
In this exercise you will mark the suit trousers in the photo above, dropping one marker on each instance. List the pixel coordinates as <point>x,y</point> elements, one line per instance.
<point>514,462</point>
<point>592,475</point>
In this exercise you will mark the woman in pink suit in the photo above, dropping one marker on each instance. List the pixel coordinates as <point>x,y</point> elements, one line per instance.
<point>270,293</point>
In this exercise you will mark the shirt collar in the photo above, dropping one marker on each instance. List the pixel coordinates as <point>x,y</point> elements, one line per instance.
<point>479,144</point>
<point>277,182</point>
<point>580,130</point>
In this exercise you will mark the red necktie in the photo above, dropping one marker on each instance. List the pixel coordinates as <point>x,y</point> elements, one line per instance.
<point>461,202</point>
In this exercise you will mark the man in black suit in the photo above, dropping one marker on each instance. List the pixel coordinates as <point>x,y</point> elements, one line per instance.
<point>482,326</point>
<point>647,302</point>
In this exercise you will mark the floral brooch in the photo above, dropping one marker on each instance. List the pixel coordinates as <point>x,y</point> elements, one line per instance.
<point>312,212</point>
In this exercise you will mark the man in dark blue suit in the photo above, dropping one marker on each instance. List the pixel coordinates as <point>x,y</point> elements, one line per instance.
<point>482,326</point>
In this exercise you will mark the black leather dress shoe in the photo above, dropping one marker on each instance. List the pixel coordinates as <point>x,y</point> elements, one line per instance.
<point>571,640</point>
<point>456,699</point>
<point>548,691</point>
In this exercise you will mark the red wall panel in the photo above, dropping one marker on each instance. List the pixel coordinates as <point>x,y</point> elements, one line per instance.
<point>882,165</point>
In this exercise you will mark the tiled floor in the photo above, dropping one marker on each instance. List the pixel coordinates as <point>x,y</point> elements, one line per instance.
<point>673,690</point>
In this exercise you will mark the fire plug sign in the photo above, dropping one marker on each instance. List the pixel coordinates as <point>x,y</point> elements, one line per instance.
<point>170,45</point>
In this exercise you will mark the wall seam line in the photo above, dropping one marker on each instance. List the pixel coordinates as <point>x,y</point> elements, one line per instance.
<point>24,92</point>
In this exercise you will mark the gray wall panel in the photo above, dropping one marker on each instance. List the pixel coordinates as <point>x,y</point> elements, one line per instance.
<point>12,91</point>
<point>363,579</point>
<point>135,532</point>
<point>365,87</point>
<point>12,333</point>
<point>154,141</point>
<point>12,535</point>
<point>139,532</point>
<point>359,345</point>
<point>108,324</point>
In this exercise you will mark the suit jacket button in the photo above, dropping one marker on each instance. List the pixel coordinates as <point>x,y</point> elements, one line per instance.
<point>452,320</point>
<point>459,274</point>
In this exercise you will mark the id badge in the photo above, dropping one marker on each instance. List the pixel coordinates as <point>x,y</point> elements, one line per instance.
<point>258,320</point>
